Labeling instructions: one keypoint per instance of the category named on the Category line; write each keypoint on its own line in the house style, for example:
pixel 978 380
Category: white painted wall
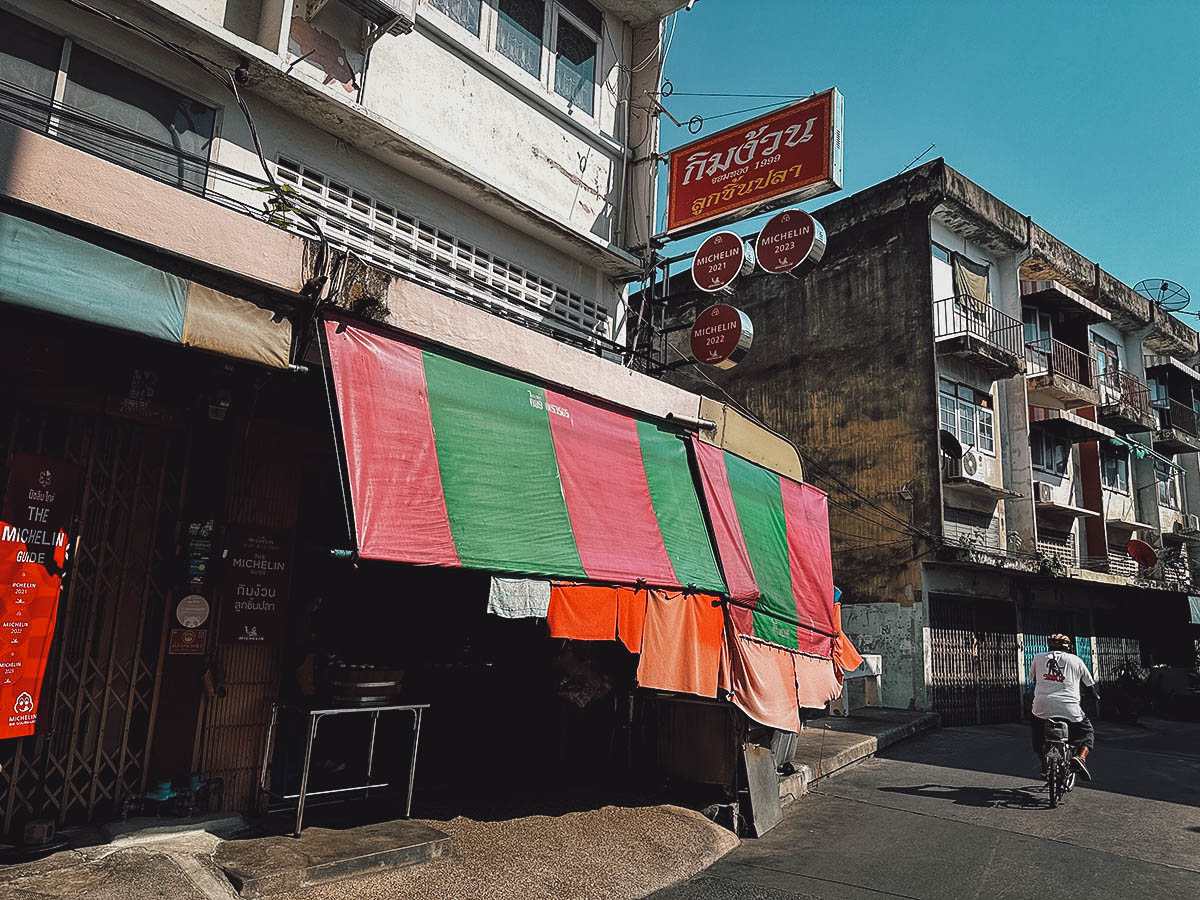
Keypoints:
pixel 468 103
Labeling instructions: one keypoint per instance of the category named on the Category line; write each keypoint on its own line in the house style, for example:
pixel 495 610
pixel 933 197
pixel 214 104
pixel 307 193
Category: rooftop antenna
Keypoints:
pixel 1169 296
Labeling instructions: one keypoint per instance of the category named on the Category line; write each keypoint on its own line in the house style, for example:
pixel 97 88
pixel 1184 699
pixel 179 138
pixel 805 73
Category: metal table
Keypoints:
pixel 314 719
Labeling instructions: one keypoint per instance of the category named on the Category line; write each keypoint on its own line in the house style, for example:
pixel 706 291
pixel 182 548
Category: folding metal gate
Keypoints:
pixel 974 660
pixel 102 676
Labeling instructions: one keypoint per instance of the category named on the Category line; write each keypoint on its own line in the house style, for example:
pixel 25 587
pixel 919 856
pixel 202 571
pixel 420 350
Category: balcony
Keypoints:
pixel 1177 430
pixel 979 333
pixel 1060 371
pixel 1125 403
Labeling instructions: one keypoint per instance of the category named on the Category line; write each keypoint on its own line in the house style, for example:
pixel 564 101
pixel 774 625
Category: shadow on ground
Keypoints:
pixel 984 797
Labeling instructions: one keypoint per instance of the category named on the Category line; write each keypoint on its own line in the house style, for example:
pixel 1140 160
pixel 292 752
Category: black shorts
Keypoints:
pixel 1080 734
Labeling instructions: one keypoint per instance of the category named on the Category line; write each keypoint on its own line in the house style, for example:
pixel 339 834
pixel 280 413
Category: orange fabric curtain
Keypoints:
pixel 589 612
pixel 845 657
pixel 681 643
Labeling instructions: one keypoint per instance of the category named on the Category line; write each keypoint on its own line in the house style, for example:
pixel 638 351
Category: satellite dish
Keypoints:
pixel 970 464
pixel 950 445
pixel 1168 295
pixel 1142 553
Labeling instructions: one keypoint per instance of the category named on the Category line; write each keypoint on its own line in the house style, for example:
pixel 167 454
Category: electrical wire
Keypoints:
pixel 228 78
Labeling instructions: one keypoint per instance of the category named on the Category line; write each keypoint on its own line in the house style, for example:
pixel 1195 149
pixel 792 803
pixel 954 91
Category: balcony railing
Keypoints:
pixel 963 315
pixel 1173 414
pixel 1052 357
pixel 1122 387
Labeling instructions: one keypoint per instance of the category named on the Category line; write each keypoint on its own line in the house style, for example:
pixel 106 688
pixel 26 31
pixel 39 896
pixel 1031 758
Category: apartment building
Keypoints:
pixel 996 418
pixel 196 198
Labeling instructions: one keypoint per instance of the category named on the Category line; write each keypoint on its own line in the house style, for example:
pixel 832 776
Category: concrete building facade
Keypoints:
pixel 996 418
pixel 185 187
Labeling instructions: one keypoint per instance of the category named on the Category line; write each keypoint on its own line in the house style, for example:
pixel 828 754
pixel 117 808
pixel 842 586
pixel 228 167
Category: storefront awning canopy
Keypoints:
pixel 772 535
pixel 44 269
pixel 452 464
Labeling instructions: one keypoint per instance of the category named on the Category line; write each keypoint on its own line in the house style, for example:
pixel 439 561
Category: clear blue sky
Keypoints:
pixel 1085 116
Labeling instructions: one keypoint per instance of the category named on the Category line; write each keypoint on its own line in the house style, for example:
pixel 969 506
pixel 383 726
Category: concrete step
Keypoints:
pixel 830 745
pixel 261 867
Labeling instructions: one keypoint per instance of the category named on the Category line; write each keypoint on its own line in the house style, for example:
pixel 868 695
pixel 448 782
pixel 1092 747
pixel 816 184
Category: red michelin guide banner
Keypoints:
pixel 36 518
pixel 783 157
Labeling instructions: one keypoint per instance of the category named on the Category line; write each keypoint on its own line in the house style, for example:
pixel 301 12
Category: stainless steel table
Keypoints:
pixel 315 716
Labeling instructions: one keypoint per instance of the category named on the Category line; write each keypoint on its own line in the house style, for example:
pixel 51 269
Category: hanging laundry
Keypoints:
pixel 519 598
pixel 681 643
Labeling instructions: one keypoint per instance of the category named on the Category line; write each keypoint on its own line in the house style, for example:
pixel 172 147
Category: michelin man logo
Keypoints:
pixel 24 703
pixel 45 477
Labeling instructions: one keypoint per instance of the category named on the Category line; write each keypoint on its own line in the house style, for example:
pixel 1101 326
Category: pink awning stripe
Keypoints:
pixel 384 402
pixel 731 544
pixel 806 510
pixel 586 435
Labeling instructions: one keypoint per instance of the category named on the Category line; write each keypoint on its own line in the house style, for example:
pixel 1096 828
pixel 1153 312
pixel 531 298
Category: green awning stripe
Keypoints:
pixel 677 508
pixel 487 422
pixel 759 500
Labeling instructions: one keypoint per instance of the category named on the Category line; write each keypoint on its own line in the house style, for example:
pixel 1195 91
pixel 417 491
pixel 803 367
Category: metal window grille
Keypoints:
pixel 967 526
pixel 387 236
pixel 1059 545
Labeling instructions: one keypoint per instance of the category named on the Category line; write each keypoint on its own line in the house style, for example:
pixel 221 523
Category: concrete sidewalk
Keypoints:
pixel 829 745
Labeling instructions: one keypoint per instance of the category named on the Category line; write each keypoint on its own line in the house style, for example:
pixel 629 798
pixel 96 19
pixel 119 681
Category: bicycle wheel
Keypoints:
pixel 1056 780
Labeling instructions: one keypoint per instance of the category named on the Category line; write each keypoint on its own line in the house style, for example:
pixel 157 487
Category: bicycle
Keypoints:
pixel 1058 752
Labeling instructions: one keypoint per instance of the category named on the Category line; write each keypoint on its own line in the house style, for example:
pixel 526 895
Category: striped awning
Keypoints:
pixel 1056 294
pixel 1158 362
pixel 454 464
pixel 46 270
pixel 772 535
pixel 1069 425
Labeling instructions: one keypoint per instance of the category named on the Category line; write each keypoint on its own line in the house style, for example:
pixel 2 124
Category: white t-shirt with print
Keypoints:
pixel 1056 679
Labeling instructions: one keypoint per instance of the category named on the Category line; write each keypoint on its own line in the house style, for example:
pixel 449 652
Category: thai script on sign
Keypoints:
pixel 779 157
pixel 756 147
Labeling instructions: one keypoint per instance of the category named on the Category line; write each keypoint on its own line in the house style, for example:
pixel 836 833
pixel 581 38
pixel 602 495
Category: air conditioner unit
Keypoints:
pixel 1043 492
pixel 399 16
pixel 1189 523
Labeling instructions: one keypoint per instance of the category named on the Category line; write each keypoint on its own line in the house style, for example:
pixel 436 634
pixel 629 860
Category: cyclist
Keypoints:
pixel 1057 676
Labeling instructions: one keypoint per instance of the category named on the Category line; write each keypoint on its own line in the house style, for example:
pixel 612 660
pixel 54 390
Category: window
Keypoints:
pixel 29 60
pixel 1108 358
pixel 967 414
pixel 1168 485
pixel 575 65
pixel 1049 453
pixel 464 12
pixel 1114 470
pixel 519 28
pixel 555 41
pixel 106 109
pixel 178 131
pixel 971 528
pixel 940 252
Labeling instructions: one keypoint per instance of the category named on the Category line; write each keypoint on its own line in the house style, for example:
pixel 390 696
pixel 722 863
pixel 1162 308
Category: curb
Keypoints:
pixel 794 786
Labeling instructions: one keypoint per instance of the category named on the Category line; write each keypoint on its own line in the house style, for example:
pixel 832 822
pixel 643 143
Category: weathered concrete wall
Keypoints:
pixel 897 633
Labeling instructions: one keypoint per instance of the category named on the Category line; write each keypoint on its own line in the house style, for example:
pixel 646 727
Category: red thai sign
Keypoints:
pixel 788 239
pixel 789 155
pixel 721 336
pixel 718 261
pixel 38 505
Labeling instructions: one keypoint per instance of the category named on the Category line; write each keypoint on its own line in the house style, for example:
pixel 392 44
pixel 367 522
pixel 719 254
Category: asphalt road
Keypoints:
pixel 960 813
